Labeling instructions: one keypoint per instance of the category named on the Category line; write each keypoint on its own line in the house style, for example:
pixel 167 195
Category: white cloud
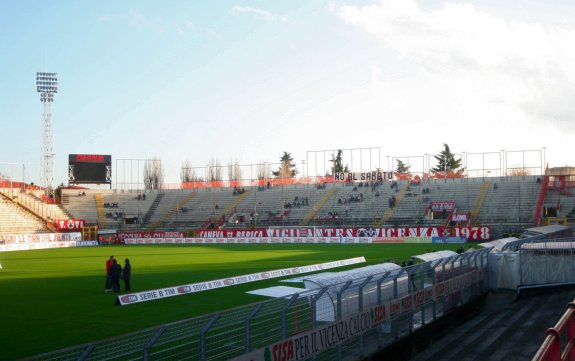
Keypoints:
pixel 501 67
pixel 259 13
pixel 185 27
pixel 136 19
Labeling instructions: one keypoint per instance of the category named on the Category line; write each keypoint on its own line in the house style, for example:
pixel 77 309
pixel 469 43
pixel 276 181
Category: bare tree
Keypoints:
pixel 234 171
pixel 518 171
pixel 153 174
pixel 215 171
pixel 186 172
pixel 263 170
pixel 196 177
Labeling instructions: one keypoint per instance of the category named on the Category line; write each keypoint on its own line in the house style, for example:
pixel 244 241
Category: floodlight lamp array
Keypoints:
pixel 46 97
pixel 46 83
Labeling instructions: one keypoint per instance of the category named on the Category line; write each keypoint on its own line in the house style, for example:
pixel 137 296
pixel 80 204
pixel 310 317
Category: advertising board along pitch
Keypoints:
pixel 157 294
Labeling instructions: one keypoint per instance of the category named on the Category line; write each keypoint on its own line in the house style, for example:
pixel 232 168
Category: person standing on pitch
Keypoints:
pixel 115 273
pixel 127 274
pixel 108 279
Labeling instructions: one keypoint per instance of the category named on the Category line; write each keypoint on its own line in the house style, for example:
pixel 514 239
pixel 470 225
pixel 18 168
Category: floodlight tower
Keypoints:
pixel 47 86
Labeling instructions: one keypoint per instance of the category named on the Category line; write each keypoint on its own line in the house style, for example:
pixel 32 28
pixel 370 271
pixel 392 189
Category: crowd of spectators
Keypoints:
pixel 262 188
pixel 238 191
pixel 114 215
pixel 329 215
pixel 353 198
pixel 297 202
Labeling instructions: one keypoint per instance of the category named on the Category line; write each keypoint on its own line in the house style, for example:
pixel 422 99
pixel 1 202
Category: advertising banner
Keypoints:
pixel 418 239
pixel 449 240
pixel 306 345
pixel 324 235
pixel 37 245
pixel 86 243
pixel 39 238
pixel 226 282
pixel 121 236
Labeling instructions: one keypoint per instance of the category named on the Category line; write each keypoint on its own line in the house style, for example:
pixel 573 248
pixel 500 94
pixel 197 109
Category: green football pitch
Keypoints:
pixel 51 299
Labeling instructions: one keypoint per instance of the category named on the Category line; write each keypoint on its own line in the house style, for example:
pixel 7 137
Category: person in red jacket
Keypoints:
pixel 109 262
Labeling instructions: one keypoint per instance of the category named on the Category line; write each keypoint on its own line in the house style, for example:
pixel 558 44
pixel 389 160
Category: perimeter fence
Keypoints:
pixel 547 262
pixel 346 318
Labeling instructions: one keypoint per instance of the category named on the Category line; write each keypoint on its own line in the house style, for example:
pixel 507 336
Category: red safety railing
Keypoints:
pixel 540 201
pixel 563 332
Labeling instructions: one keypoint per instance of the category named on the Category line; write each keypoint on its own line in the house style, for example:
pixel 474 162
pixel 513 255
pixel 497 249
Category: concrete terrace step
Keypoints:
pixel 503 329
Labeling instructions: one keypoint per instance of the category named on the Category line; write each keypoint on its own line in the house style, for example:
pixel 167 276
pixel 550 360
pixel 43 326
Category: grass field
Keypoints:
pixel 51 299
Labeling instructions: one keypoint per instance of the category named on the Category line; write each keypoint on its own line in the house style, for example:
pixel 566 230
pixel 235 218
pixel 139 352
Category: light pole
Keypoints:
pixel 47 86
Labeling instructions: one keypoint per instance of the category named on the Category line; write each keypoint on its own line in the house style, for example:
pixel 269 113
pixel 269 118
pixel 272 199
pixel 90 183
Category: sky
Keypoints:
pixel 244 81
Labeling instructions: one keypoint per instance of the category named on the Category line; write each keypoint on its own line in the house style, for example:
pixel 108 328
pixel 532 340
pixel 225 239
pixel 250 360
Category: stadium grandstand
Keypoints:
pixel 514 217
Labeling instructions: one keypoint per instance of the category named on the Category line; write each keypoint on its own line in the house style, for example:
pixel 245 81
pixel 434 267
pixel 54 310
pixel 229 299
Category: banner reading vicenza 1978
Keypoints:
pixel 231 281
pixel 474 233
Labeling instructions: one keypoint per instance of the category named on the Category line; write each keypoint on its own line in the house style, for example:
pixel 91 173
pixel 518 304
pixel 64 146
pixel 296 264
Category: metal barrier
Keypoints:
pixel 547 262
pixel 391 305
pixel 562 334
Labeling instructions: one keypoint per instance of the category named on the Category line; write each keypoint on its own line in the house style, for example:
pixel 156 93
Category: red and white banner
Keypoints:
pixel 321 235
pixel 383 234
pixel 225 282
pixel 459 217
pixel 69 224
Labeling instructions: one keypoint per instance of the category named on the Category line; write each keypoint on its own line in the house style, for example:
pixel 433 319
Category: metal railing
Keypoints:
pixel 547 262
pixel 559 343
pixel 404 299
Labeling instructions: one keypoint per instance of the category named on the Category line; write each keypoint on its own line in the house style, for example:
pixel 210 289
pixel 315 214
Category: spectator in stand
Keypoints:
pixel 127 275
pixel 115 274
pixel 109 263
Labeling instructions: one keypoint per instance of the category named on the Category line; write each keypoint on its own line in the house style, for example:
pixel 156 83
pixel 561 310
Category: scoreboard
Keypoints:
pixel 89 168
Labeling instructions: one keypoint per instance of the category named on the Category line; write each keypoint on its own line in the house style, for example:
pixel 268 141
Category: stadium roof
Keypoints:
pixel 498 244
pixel 323 280
pixel 434 256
